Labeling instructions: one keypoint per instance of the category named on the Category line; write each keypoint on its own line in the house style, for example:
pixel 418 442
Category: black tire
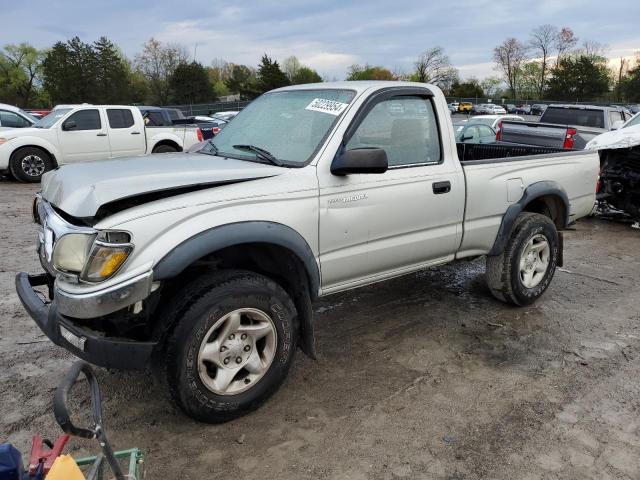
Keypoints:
pixel 503 274
pixel 28 164
pixel 165 149
pixel 210 298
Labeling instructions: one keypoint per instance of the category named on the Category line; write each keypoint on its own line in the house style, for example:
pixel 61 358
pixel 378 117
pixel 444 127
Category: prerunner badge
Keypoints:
pixel 327 106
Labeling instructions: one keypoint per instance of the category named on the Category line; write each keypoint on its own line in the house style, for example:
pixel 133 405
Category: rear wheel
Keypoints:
pixel 232 347
pixel 29 164
pixel 525 268
pixel 165 149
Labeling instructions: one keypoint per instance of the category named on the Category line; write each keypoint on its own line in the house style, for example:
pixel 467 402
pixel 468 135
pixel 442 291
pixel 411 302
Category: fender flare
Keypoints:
pixel 162 137
pixel 217 238
pixel 532 192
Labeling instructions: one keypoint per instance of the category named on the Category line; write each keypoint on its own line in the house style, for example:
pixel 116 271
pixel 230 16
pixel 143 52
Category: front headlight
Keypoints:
pixel 70 254
pixel 109 252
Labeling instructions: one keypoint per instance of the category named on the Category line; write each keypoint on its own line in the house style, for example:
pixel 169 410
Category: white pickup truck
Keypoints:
pixel 83 133
pixel 205 265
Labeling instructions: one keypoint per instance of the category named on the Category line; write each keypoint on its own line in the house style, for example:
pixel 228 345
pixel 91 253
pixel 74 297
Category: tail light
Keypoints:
pixel 215 130
pixel 199 134
pixel 499 132
pixel 569 138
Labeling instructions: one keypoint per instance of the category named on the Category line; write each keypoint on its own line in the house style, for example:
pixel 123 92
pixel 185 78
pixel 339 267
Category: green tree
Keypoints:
pixel 270 76
pixel 69 72
pixel 306 75
pixel 189 84
pixel 630 85
pixel 243 81
pixel 156 63
pixel 20 69
pixel 468 89
pixel 112 73
pixel 368 72
pixel 579 78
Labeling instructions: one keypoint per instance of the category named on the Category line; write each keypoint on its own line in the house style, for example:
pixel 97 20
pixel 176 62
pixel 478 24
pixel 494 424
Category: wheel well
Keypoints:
pixel 51 155
pixel 169 143
pixel 274 261
pixel 551 206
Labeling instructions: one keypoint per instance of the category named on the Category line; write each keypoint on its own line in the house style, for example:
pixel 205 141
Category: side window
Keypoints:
pixel 486 132
pixel 470 134
pixel 86 120
pixel 120 118
pixel 12 120
pixel 405 127
pixel 614 116
pixel 154 119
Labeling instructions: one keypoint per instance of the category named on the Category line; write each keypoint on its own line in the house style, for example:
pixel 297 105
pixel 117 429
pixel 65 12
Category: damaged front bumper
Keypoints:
pixel 56 319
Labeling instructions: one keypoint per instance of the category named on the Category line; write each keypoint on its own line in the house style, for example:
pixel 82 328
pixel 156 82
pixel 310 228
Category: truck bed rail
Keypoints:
pixel 489 151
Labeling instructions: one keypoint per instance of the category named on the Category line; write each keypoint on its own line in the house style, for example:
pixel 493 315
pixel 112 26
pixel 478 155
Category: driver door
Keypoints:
pixel 378 225
pixel 83 136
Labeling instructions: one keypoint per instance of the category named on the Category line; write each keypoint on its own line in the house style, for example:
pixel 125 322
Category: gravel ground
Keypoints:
pixel 422 377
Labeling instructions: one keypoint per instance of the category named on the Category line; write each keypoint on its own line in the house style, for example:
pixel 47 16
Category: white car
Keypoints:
pixel 87 132
pixel 494 120
pixel 205 265
pixel 14 117
pixel 492 109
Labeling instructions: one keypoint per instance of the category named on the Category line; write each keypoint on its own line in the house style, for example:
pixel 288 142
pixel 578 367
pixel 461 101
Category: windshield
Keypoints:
pixel 288 125
pixel 634 121
pixel 53 117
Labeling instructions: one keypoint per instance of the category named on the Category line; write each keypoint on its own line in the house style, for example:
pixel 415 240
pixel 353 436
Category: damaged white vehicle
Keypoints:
pixel 205 265
pixel 619 184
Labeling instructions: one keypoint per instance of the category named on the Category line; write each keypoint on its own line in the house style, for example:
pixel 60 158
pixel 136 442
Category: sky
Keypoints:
pixel 328 35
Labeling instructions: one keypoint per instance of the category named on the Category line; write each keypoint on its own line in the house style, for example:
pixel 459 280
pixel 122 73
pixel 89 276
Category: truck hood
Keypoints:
pixel 623 138
pixel 81 189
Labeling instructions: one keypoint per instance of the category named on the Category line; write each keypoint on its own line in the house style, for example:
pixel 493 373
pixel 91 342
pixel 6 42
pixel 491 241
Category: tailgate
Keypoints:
pixel 532 133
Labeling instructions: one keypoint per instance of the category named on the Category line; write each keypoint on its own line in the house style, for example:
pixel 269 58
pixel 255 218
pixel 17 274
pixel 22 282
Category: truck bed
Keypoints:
pixel 497 175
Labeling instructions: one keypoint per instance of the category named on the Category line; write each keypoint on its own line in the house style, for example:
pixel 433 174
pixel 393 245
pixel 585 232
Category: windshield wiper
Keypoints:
pixel 261 153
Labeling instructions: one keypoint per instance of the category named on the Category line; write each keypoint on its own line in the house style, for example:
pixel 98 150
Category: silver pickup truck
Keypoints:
pixel 569 127
pixel 205 265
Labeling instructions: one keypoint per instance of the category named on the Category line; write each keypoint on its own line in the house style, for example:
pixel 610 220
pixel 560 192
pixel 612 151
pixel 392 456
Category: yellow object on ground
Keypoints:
pixel 65 468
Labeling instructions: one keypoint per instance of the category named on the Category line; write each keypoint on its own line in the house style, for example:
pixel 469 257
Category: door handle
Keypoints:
pixel 441 187
pixel 135 133
pixel 101 135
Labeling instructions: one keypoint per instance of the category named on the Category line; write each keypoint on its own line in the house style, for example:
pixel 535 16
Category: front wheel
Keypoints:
pixel 28 164
pixel 523 271
pixel 232 347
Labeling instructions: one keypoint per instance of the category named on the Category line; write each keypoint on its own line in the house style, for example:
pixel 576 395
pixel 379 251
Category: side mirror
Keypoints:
pixel 360 160
pixel 69 125
pixel 617 124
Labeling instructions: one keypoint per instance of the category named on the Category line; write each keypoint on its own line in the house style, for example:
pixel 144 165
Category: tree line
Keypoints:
pixel 552 64
pixel 549 64
pixel 75 71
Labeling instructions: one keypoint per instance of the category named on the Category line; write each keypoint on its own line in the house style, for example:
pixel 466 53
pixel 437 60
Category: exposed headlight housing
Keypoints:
pixel 109 252
pixel 71 252
pixel 93 258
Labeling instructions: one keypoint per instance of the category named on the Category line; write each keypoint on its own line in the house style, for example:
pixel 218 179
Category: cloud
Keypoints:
pixel 328 35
